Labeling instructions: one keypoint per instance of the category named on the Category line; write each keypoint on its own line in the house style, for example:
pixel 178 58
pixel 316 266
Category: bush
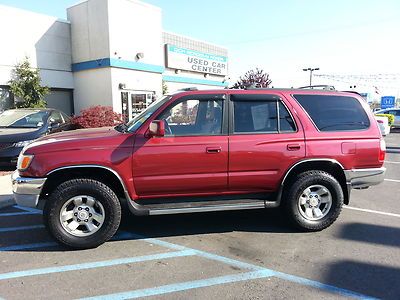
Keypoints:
pixel 389 116
pixel 97 116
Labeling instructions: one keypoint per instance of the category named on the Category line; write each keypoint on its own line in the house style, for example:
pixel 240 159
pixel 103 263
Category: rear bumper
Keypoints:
pixel 27 190
pixel 363 178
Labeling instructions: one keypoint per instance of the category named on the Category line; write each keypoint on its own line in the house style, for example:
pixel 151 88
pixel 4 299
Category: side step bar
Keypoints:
pixel 207 208
pixel 193 207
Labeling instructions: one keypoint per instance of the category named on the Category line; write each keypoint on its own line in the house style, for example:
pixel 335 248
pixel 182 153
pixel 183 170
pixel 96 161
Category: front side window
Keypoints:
pixel 334 113
pixel 193 117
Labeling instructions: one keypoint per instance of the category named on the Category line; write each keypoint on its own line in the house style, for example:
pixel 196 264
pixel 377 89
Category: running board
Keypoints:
pixel 208 208
pixel 193 207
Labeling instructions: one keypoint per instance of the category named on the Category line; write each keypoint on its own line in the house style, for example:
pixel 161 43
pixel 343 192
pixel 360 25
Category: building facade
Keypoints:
pixel 108 52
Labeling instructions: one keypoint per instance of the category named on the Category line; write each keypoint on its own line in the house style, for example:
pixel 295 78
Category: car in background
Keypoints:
pixel 19 127
pixel 392 111
pixel 383 123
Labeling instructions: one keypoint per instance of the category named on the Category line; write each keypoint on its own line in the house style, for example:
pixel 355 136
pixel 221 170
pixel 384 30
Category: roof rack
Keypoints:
pixel 320 86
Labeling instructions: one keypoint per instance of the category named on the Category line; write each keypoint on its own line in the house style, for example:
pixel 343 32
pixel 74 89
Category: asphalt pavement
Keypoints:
pixel 221 255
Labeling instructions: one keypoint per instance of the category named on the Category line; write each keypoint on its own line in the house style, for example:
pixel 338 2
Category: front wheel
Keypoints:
pixel 314 200
pixel 82 213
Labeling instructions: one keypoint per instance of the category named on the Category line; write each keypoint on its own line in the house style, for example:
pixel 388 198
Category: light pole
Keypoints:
pixel 311 70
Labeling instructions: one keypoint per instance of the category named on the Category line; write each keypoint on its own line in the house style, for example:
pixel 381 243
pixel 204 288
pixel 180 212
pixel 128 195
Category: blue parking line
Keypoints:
pixel 321 286
pixel 30 209
pixel 28 246
pixel 183 286
pixel 119 236
pixel 96 264
pixel 233 262
pixel 8 229
pixel 19 213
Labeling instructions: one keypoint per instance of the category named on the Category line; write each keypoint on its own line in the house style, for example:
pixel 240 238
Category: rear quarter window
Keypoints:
pixel 334 113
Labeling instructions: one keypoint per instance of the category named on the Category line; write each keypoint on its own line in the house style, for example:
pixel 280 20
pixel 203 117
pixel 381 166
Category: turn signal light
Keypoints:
pixel 24 161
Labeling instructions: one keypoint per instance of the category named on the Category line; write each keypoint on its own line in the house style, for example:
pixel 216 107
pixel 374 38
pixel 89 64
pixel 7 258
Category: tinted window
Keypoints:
pixel 55 117
pixel 255 116
pixel 193 117
pixel 334 113
pixel 286 123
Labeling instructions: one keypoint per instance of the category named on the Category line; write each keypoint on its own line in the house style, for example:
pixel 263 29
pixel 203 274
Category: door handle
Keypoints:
pixel 293 147
pixel 213 150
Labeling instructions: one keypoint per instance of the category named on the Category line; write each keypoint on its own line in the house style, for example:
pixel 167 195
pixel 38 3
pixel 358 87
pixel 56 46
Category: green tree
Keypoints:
pixel 253 78
pixel 25 84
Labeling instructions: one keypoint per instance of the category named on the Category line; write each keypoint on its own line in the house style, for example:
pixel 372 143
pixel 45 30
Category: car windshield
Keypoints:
pixel 137 121
pixel 22 119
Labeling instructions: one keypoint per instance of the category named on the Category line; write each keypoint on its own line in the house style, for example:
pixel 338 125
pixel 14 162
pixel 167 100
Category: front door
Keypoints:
pixel 192 157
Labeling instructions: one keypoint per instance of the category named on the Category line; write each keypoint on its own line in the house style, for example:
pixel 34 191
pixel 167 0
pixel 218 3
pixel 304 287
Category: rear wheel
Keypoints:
pixel 314 200
pixel 82 213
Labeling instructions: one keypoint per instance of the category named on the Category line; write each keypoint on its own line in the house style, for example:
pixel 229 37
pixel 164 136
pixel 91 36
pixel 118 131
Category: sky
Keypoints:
pixel 340 37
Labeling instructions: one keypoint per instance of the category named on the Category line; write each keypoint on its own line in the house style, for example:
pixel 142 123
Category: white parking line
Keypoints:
pixel 392 180
pixel 392 162
pixel 373 211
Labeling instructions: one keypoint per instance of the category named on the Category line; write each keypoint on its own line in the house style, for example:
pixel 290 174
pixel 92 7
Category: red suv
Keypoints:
pixel 198 151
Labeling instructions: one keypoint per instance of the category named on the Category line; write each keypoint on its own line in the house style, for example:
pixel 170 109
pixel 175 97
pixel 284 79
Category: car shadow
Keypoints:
pixel 269 221
pixel 264 220
pixel 376 280
pixel 370 233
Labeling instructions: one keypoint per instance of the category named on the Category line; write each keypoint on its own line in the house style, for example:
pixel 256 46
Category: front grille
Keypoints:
pixel 5 145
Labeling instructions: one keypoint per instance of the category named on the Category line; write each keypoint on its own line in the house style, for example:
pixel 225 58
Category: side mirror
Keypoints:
pixel 157 128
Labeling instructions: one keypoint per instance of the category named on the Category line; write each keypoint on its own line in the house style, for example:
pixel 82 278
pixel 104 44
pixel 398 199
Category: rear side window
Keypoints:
pixel 334 113
pixel 255 116
pixel 260 114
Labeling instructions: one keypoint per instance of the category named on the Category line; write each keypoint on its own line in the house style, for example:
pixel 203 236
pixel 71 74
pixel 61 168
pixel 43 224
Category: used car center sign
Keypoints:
pixel 190 60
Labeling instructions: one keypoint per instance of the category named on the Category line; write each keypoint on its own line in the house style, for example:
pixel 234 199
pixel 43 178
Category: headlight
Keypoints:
pixel 24 160
pixel 22 143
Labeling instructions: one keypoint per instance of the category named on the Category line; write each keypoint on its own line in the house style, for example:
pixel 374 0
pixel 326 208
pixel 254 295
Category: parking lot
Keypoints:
pixel 234 255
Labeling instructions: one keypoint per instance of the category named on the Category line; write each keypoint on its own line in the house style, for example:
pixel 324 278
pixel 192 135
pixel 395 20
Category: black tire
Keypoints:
pixel 295 189
pixel 73 188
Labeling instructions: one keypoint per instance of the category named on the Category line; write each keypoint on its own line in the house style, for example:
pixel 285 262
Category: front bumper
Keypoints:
pixel 27 190
pixel 363 178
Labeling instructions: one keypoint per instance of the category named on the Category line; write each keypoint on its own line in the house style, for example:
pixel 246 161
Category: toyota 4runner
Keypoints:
pixel 199 151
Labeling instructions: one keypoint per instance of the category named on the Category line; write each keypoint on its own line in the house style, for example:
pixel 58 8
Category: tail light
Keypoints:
pixel 382 150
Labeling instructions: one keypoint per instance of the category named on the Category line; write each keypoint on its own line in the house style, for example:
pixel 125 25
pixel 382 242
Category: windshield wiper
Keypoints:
pixel 121 127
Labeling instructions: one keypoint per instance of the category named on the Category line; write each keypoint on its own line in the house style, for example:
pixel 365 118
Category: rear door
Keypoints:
pixel 265 140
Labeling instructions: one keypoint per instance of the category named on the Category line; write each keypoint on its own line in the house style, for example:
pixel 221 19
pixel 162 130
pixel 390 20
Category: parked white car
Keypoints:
pixel 383 123
pixel 393 111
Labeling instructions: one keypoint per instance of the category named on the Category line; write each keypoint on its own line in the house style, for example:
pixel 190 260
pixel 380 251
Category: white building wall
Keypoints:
pixel 44 39
pixel 92 87
pixel 89 30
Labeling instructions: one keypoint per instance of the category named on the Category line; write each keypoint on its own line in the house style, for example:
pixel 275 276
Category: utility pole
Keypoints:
pixel 311 70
